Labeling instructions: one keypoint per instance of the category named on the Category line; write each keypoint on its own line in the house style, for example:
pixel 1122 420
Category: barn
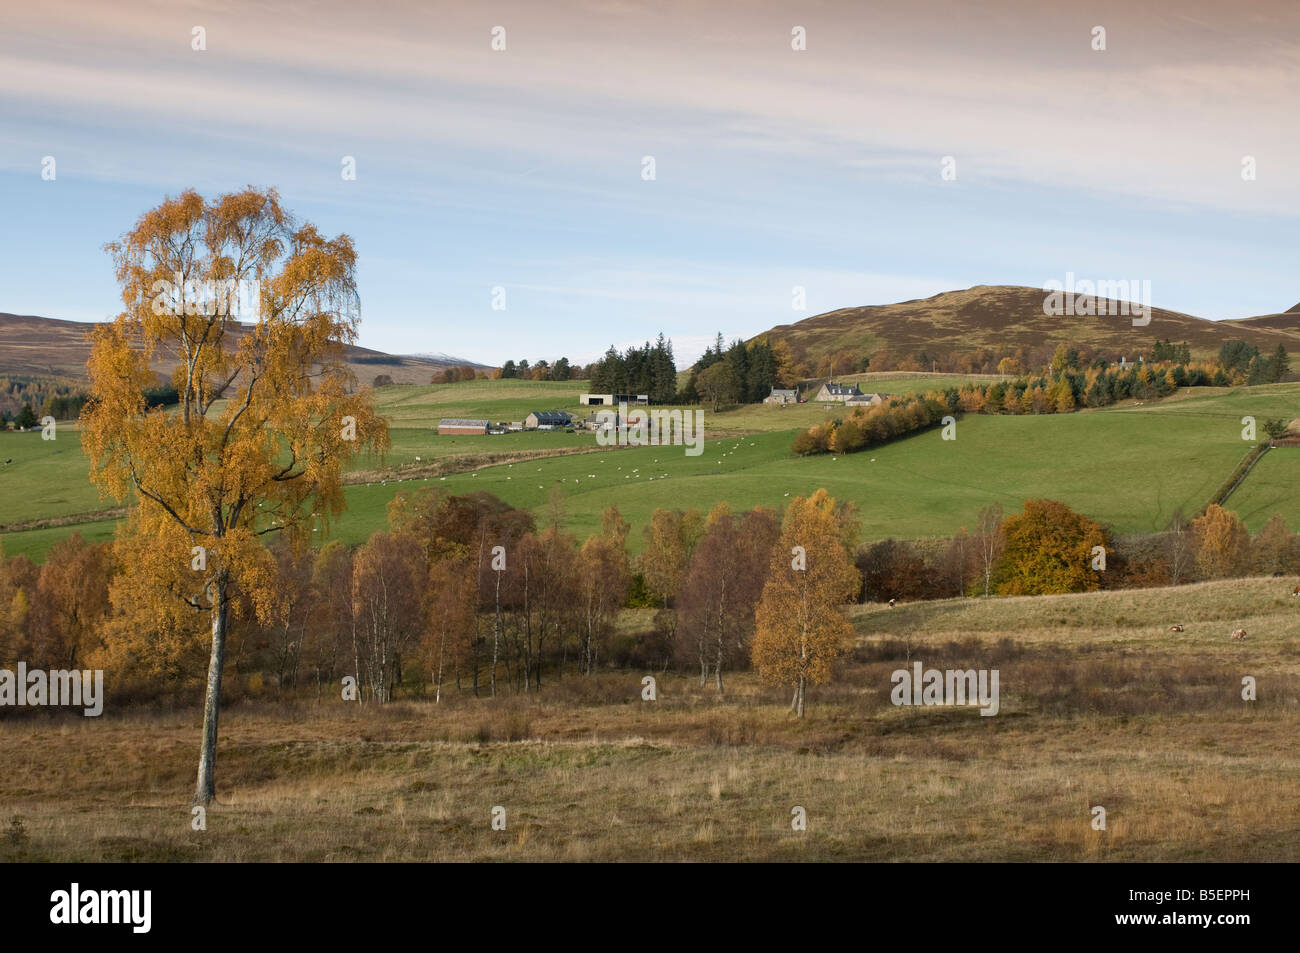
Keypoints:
pixel 611 400
pixel 455 425
pixel 546 420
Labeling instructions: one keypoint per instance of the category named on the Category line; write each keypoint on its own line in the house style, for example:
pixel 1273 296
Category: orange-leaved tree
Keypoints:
pixel 1222 543
pixel 1049 548
pixel 801 629
pixel 267 415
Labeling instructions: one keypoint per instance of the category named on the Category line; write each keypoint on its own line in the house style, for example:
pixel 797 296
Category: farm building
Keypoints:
pixel 867 400
pixel 610 400
pixel 546 420
pixel 454 425
pixel 832 392
pixel 780 396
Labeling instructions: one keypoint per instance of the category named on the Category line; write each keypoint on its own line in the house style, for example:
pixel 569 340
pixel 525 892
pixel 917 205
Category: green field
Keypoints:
pixel 490 400
pixel 913 382
pixel 1128 466
pixel 46 478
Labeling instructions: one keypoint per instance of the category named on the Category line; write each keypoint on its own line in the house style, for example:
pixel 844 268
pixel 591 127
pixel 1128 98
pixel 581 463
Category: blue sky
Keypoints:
pixel 773 167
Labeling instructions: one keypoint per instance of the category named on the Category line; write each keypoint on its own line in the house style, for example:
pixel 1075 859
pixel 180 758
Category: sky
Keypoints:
pixel 774 168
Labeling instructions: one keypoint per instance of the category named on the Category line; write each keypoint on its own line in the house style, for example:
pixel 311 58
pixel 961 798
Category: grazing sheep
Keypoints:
pixel 1239 635
pixel 1175 628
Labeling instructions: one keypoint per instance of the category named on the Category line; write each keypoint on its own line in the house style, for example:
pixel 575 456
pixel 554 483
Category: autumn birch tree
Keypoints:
pixel 670 537
pixel 801 628
pixel 266 417
pixel 722 587
pixel 451 600
pixel 1222 543
pixel 387 585
pixel 989 542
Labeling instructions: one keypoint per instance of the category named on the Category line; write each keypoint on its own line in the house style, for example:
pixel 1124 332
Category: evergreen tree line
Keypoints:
pixel 543 370
pixel 649 369
pixel 739 373
pixel 1245 362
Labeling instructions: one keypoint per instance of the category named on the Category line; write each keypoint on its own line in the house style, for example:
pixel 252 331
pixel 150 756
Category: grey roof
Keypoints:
pixel 779 392
pixel 458 422
pixel 842 389
pixel 550 416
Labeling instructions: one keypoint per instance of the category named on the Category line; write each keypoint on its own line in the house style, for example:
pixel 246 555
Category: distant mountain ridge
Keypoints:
pixel 51 347
pixel 441 358
pixel 1003 318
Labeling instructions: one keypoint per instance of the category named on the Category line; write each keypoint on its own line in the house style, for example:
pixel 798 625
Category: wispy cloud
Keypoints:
pixel 775 168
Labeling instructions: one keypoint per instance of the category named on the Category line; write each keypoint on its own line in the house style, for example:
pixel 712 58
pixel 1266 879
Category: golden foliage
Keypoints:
pixel 800 628
pixel 1222 543
pixel 267 417
pixel 258 442
pixel 1049 549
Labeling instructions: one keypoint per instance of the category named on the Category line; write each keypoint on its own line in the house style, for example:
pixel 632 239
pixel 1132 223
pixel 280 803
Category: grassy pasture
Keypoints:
pixel 47 478
pixel 1129 466
pixel 484 400
pixel 1100 705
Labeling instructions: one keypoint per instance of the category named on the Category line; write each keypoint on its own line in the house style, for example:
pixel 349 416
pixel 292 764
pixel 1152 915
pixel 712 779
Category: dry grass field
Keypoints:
pixel 1100 705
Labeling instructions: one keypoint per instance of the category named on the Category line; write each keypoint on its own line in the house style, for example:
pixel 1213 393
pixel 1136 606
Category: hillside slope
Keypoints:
pixel 36 346
pixel 1003 318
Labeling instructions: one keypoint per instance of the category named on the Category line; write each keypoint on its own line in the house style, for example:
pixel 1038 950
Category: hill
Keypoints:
pixel 1003 318
pixel 49 347
pixel 1286 321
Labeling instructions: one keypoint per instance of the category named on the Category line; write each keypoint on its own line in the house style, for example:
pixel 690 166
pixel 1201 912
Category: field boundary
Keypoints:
pixel 1238 475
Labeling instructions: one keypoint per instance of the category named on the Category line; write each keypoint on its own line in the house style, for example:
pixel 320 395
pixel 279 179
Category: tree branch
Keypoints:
pixel 164 504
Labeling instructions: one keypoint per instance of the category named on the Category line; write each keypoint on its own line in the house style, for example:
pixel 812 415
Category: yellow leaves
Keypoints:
pixel 1049 549
pixel 800 629
pixel 668 541
pixel 1222 543
pixel 721 511
pixel 267 419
